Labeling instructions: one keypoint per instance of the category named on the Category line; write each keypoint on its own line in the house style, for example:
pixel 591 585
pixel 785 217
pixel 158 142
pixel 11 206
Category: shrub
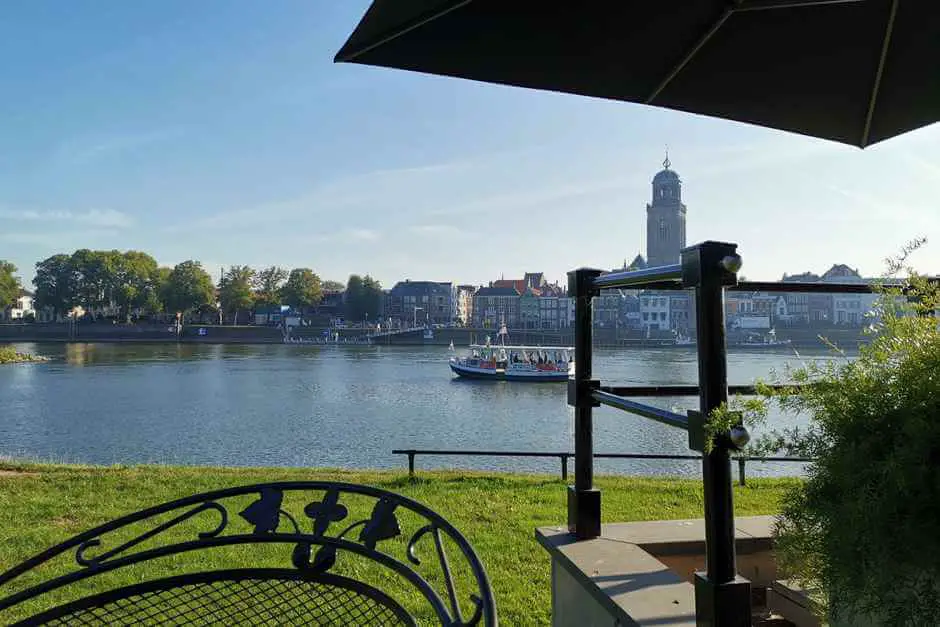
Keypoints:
pixel 864 528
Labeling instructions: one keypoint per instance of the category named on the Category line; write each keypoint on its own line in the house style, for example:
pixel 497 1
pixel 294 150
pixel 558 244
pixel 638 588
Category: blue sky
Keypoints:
pixel 222 131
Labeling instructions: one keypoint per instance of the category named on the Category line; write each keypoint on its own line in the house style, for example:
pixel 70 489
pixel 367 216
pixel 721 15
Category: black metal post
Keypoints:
pixel 584 501
pixel 741 463
pixel 411 464
pixel 722 599
pixel 564 467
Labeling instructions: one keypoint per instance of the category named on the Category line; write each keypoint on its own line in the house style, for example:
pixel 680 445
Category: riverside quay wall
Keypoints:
pixel 213 334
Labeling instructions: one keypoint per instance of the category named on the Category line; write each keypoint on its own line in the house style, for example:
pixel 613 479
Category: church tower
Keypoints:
pixel 665 219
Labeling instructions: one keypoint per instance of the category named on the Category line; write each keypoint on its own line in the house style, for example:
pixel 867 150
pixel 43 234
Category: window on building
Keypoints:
pixel 662 315
pixel 646 315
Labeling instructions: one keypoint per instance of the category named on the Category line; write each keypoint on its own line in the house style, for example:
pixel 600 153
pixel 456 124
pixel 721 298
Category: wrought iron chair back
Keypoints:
pixel 340 572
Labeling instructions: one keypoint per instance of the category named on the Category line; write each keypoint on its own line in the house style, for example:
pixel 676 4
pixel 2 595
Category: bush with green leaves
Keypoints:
pixel 864 528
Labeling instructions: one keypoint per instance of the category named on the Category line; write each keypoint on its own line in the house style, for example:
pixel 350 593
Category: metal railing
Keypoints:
pixel 709 268
pixel 412 453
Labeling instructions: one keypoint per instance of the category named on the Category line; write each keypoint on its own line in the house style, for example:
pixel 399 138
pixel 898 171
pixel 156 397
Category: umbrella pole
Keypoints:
pixel 722 599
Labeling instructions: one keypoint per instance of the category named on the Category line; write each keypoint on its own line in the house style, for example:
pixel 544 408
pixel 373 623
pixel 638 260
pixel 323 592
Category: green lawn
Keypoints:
pixel 45 504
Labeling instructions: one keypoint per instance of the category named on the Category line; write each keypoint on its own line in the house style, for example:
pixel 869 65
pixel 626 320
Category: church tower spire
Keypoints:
pixel 665 218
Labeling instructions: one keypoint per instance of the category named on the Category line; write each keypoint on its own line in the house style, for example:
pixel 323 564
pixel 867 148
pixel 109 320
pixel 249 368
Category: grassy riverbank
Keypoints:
pixel 10 356
pixel 44 504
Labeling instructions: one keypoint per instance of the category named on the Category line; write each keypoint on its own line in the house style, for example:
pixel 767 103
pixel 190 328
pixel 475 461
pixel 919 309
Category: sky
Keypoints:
pixel 222 131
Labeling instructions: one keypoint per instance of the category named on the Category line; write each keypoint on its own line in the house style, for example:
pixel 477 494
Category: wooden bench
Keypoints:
pixel 305 553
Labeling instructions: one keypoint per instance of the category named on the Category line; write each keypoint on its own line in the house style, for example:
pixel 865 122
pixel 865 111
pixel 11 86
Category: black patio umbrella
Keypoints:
pixel 853 71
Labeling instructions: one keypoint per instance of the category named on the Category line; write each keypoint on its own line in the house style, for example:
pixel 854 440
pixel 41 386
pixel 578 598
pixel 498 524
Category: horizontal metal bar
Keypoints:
pixel 645 276
pixel 682 390
pixel 760 286
pixel 640 409
pixel 481 453
pixel 797 287
pixel 664 456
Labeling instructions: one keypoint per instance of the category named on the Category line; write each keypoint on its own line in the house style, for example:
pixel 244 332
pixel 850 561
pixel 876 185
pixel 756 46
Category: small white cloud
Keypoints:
pixel 434 230
pixel 362 235
pixel 104 218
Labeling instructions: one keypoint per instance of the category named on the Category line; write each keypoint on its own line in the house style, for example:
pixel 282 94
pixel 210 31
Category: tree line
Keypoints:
pixel 133 282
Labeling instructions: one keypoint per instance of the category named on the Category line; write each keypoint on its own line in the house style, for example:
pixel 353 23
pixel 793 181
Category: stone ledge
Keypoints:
pixel 620 571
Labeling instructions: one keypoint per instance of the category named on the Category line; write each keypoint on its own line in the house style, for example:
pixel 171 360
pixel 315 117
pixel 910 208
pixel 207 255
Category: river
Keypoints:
pixel 281 405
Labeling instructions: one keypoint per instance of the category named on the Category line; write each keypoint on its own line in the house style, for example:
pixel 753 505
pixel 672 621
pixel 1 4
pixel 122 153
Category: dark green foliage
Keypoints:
pixel 363 298
pixel 865 528
pixel 302 289
pixel 55 284
pixel 235 291
pixel 97 279
pixel 267 285
pixel 9 284
pixel 187 288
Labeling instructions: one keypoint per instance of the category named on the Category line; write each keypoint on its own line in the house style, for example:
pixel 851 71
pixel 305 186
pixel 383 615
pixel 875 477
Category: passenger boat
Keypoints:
pixel 768 340
pixel 506 362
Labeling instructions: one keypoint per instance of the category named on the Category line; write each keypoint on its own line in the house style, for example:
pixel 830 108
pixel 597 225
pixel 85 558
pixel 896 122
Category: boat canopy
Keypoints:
pixel 525 348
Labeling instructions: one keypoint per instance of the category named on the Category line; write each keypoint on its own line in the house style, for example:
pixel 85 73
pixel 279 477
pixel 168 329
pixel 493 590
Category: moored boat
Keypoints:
pixel 767 340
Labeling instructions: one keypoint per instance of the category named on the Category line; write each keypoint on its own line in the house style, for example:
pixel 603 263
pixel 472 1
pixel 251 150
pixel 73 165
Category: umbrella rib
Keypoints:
pixel 889 29
pixel 418 23
pixel 765 5
pixel 688 57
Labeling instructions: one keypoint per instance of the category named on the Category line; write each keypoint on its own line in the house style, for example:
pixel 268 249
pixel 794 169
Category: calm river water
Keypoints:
pixel 276 405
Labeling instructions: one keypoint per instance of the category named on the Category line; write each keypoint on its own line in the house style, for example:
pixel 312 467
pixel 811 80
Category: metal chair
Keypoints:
pixel 353 560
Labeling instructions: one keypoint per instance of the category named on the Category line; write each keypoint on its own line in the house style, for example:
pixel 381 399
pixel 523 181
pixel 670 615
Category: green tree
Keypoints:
pixel 235 290
pixel 333 286
pixel 55 284
pixel 363 298
pixel 372 297
pixel 267 285
pixel 355 298
pixel 188 288
pixel 161 278
pixel 93 277
pixel 302 289
pixel 132 280
pixel 9 284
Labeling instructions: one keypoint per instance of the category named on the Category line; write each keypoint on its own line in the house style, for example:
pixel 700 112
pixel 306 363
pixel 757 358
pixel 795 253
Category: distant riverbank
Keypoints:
pixel 214 334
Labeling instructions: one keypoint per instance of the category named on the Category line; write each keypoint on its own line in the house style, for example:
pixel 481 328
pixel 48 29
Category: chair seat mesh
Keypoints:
pixel 241 602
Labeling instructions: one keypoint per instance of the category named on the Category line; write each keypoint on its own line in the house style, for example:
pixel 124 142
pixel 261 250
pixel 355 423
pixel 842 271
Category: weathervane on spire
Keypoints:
pixel 666 162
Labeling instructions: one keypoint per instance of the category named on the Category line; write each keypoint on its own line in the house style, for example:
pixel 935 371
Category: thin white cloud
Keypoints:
pixel 345 236
pixel 361 235
pixel 105 218
pixel 60 240
pixel 872 208
pixel 537 196
pixel 435 230
pixel 328 200
pixel 81 150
